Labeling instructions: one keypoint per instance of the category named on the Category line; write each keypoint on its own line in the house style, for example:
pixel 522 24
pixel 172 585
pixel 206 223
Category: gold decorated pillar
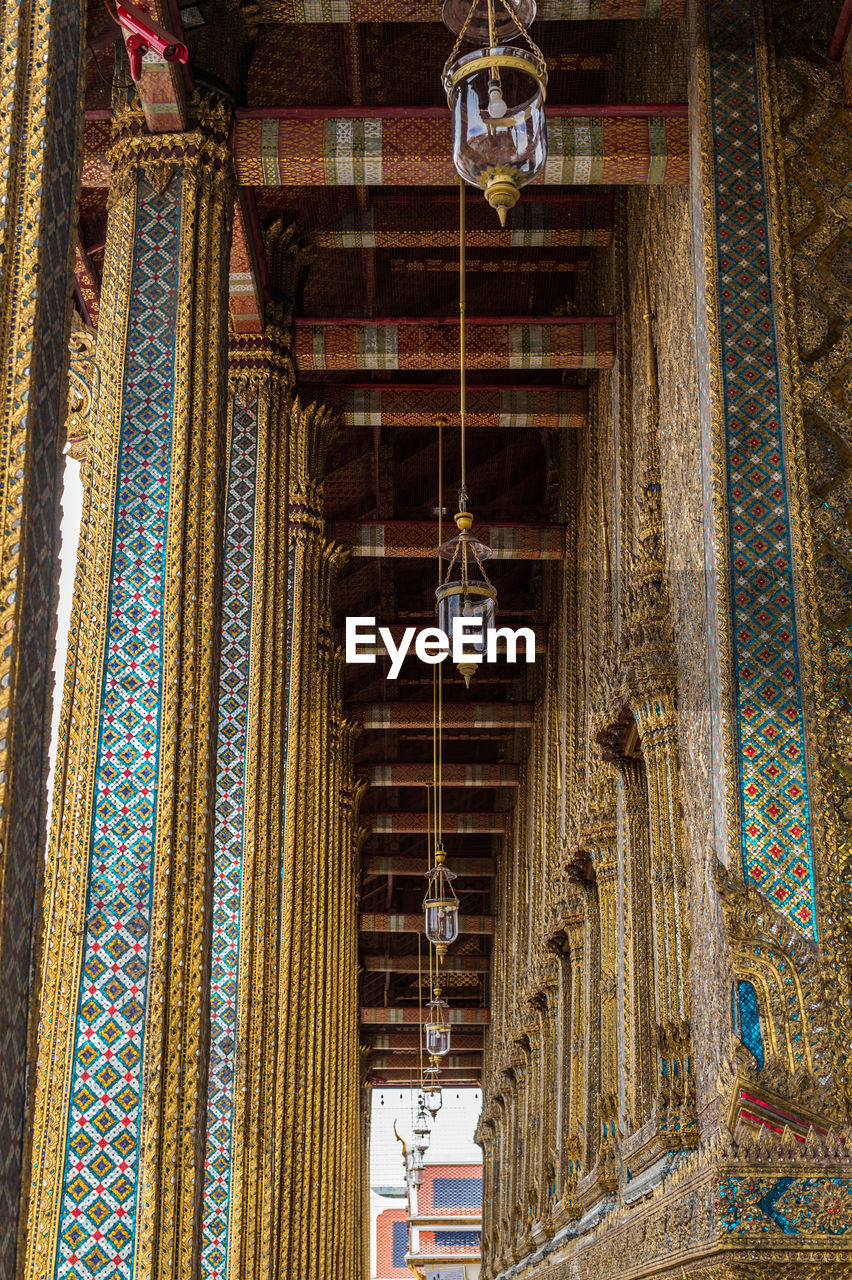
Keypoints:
pixel 319 1167
pixel 241 1150
pixel 656 717
pixel 42 136
pixel 636 989
pixel 600 844
pixel 578 1036
pixel 119 1123
pixel 651 686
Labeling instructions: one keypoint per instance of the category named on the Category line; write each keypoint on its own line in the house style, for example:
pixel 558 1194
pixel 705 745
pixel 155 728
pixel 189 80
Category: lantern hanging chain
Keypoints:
pixel 460 40
pixel 533 47
pixel 420 1008
pixel 492 38
pixel 463 342
pixel 430 827
pixel 437 686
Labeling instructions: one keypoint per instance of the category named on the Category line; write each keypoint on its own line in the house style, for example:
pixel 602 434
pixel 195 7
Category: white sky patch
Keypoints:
pixel 452 1131
pixel 72 516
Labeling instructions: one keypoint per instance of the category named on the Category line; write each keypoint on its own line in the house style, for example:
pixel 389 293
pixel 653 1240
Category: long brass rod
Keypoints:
pixel 462 334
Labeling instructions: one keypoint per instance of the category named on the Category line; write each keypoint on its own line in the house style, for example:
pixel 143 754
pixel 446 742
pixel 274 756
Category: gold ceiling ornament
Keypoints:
pixel 496 96
pixel 469 595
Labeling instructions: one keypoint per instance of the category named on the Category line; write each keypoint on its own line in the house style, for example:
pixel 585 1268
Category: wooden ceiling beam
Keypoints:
pixel 404 922
pixel 436 404
pixel 393 1062
pixel 418 540
pixel 376 865
pixel 246 273
pixel 454 824
pixel 458 1016
pixel 419 774
pixel 471 1040
pixel 356 11
pixel 410 146
pixel 409 964
pixel 456 715
pixel 496 344
pixel 555 219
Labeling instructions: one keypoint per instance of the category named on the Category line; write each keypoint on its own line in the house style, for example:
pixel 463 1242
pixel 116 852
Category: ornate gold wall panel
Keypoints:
pixel 40 63
pixel 704 1010
pixel 816 136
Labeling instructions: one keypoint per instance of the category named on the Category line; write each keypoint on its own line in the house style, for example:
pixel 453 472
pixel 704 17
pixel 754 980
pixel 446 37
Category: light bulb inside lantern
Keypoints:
pixel 496 106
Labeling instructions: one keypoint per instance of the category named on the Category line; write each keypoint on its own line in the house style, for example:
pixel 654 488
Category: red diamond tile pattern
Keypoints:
pixel 776 842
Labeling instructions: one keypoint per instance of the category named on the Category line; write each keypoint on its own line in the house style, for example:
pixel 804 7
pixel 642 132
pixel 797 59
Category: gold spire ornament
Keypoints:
pixel 496 97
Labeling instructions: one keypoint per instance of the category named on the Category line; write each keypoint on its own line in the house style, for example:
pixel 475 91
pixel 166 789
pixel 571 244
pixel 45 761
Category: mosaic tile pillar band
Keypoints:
pixel 757 618
pixel 317 1014
pixel 42 133
pixel 119 1122
pixel 239 1164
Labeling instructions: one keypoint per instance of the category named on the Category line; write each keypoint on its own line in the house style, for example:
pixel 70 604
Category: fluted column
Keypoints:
pixel 578 1042
pixel 600 846
pixel 42 128
pixel 636 992
pixel 314 1191
pixel 345 1139
pixel 240 1156
pixel 656 718
pixel 651 681
pixel 122 1075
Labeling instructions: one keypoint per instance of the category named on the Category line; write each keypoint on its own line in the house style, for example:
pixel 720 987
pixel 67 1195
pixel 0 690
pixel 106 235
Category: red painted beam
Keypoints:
pixel 454 824
pixel 459 1016
pixel 495 343
pixel 436 404
pixel 413 923
pixel 452 775
pixel 341 11
pixel 87 284
pixel 456 715
pixel 386 1062
pixel 411 1040
pixel 400 539
pixel 409 964
pixel 406 146
pixel 245 289
pixel 841 32
pixel 377 865
pixel 555 218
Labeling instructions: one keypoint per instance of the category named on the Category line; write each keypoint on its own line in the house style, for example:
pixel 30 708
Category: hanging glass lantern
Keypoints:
pixel 471 594
pixel 415 1168
pixel 496 96
pixel 432 1094
pixel 438 1026
pixel 441 905
pixel 422 1131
